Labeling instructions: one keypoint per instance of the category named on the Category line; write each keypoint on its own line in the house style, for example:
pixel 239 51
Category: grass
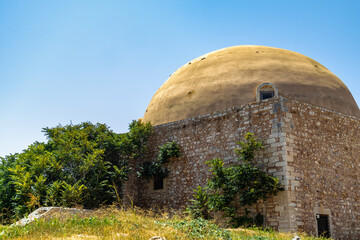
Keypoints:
pixel 117 223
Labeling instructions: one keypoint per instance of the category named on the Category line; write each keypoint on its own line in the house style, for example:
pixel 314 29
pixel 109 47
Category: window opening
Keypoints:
pixel 266 94
pixel 265 91
pixel 158 183
pixel 323 225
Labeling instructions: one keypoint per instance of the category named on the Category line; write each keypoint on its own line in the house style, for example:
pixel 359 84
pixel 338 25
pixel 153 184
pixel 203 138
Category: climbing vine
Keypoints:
pixel 149 170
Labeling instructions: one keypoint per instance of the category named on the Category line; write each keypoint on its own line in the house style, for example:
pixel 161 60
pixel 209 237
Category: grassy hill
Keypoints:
pixel 114 223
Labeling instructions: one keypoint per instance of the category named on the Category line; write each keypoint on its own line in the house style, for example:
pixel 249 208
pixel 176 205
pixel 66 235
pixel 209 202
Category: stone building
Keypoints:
pixel 305 116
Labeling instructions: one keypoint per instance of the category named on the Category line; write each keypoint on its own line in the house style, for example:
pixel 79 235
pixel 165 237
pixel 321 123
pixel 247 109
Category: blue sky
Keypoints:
pixel 102 61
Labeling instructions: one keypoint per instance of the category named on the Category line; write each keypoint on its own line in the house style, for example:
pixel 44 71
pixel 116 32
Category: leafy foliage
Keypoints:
pixel 234 187
pixel 150 170
pixel 200 204
pixel 82 164
pixel 248 148
pixel 167 151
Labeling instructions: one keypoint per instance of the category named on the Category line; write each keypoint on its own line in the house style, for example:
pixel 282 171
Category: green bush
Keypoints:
pixel 200 204
pixel 234 187
pixel 82 164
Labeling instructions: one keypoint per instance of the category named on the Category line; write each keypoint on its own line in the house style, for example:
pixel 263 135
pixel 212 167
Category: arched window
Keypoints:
pixel 265 91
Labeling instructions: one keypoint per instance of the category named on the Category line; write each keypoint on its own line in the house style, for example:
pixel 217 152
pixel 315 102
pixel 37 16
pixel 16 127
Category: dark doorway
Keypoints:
pixel 323 225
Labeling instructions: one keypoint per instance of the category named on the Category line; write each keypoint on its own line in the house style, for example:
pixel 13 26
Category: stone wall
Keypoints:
pixel 315 152
pixel 215 136
pixel 325 151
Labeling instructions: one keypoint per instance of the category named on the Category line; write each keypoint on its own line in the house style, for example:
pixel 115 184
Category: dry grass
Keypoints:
pixel 116 223
pixel 247 233
pixel 109 223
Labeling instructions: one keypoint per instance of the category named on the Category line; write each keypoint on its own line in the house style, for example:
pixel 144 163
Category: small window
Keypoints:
pixel 265 91
pixel 158 183
pixel 266 94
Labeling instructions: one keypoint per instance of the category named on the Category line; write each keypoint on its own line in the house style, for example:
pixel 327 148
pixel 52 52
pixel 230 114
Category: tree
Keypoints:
pixel 235 187
pixel 82 164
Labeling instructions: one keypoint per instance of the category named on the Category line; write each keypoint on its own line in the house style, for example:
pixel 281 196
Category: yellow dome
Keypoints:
pixel 230 77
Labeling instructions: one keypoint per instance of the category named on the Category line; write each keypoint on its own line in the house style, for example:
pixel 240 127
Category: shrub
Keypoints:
pixel 235 187
pixel 82 164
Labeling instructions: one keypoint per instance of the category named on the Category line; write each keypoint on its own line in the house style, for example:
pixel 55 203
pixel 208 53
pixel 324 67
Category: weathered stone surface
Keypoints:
pixel 315 152
pixel 48 212
pixel 327 162
pixel 157 238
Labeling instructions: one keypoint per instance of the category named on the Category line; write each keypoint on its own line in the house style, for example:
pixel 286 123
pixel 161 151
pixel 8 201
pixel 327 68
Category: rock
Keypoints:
pixel 47 212
pixel 157 238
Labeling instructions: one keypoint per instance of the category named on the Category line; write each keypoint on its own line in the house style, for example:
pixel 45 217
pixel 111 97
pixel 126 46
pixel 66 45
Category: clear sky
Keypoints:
pixel 102 61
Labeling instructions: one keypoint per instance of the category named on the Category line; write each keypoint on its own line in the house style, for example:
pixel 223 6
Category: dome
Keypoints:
pixel 230 77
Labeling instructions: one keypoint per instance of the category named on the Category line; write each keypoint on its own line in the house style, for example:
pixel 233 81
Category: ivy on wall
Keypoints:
pixel 149 170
